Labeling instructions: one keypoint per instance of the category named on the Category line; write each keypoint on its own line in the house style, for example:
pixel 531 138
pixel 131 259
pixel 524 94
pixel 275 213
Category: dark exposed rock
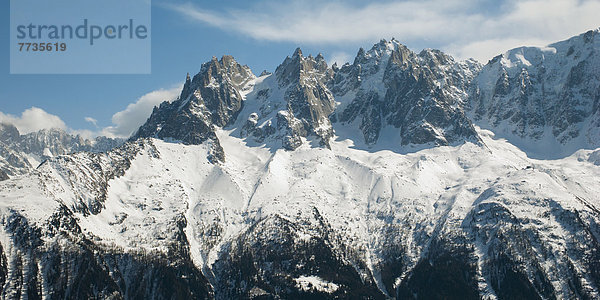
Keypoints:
pixel 420 95
pixel 8 133
pixel 212 98
pixel 3 176
pixel 292 104
pixel 271 257
pixel 309 101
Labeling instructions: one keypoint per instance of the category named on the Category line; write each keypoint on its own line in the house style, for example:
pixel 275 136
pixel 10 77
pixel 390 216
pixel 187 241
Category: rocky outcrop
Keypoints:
pixel 211 99
pixel 309 101
pixel 421 95
pixel 12 161
pixel 294 103
pixel 9 133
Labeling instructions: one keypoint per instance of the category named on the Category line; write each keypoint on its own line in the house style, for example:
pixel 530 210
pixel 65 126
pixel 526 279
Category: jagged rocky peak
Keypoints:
pixel 298 68
pixel 217 71
pixel 211 98
pixel 54 141
pixel 218 85
pixel 435 57
pixel 547 94
pixel 420 95
pixel 57 142
pixel 8 133
pixel 297 104
pixel 380 54
pixel 367 63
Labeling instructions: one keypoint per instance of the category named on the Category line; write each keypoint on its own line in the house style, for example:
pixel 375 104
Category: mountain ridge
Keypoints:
pixel 546 94
pixel 275 187
pixel 22 153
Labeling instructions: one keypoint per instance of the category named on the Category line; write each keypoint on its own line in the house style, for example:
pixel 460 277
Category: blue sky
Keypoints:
pixel 260 34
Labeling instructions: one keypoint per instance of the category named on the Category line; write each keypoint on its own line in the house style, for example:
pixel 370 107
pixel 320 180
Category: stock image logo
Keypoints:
pixel 111 37
pixel 83 31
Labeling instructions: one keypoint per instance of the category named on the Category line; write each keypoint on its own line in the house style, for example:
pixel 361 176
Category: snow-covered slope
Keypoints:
pixel 302 202
pixel 489 210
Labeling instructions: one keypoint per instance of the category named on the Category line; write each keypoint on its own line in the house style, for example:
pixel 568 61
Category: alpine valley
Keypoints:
pixel 402 175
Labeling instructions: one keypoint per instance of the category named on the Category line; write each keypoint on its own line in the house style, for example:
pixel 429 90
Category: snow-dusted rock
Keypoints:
pixel 546 100
pixel 420 96
pixel 19 154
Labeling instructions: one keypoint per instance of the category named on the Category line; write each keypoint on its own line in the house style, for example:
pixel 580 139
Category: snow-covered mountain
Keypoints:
pixel 549 95
pixel 392 177
pixel 19 154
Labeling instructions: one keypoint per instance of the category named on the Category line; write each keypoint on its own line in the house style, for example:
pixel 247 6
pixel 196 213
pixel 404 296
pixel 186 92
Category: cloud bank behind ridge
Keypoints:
pixel 477 29
pixel 124 122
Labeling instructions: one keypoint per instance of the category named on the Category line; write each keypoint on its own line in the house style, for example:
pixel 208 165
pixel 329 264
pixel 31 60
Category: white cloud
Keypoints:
pixel 340 58
pixel 485 49
pixel 33 119
pixel 450 25
pixel 84 133
pixel 92 120
pixel 127 121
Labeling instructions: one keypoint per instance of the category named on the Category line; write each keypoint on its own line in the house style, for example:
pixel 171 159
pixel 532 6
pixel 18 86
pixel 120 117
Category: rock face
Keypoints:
pixel 212 98
pixel 72 267
pixel 549 95
pixel 309 102
pixel 19 154
pixel 9 133
pixel 420 98
pixel 292 104
pixel 595 157
pixel 420 95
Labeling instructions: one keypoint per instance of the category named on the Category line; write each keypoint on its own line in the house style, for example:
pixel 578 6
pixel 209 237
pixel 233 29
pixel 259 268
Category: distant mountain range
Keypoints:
pixel 20 154
pixel 402 175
